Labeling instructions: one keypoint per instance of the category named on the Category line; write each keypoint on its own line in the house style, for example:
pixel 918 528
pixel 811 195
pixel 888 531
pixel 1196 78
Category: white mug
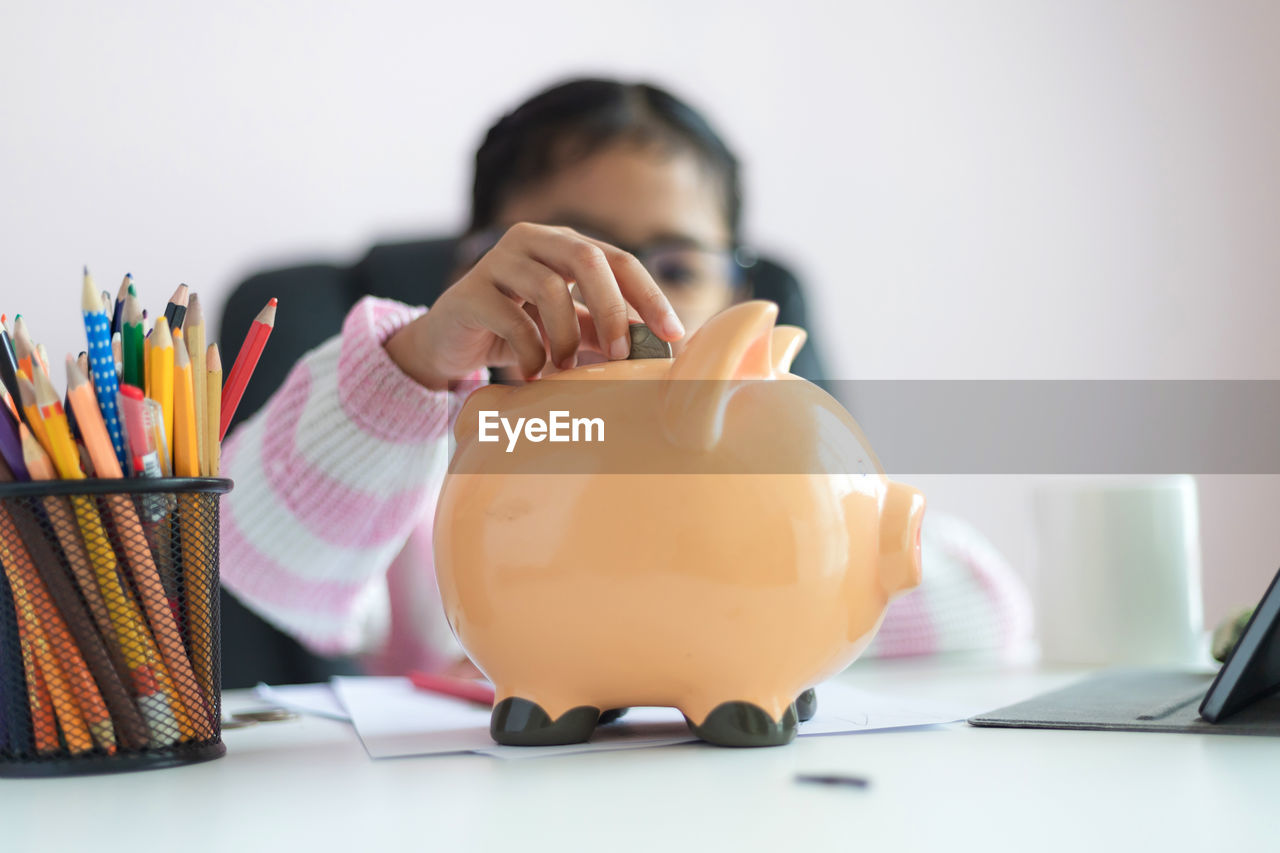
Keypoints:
pixel 1119 571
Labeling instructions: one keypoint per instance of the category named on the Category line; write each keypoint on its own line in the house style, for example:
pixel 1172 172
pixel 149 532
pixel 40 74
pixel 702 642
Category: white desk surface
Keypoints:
pixel 307 785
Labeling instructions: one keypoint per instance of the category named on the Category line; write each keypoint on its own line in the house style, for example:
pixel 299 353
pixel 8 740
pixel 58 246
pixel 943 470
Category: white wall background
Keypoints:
pixel 973 190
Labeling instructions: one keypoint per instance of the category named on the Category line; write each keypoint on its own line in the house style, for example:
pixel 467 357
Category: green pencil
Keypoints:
pixel 133 341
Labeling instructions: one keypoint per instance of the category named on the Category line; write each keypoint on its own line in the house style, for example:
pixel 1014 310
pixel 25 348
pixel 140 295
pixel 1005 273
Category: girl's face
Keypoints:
pixel 663 206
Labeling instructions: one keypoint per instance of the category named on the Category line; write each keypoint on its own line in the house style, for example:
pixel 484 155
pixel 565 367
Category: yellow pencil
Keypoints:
pixel 27 392
pixel 62 446
pixel 160 377
pixel 123 721
pixel 186 455
pixel 195 539
pixel 40 467
pixel 214 412
pixel 189 706
pixel 165 715
pixel 194 331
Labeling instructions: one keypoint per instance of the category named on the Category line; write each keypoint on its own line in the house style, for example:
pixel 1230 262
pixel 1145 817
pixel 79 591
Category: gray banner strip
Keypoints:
pixel 1070 426
pixel 970 427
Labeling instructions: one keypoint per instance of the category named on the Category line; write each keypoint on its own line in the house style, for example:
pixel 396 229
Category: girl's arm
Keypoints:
pixel 331 477
pixel 345 461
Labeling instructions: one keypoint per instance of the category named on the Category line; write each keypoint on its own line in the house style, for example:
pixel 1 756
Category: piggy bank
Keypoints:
pixel 709 533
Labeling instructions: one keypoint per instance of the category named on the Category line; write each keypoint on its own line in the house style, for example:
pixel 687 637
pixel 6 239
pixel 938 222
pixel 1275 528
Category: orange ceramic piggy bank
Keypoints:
pixel 707 532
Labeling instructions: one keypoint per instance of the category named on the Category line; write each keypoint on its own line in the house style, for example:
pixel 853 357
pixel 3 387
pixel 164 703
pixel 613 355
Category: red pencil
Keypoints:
pixel 246 360
pixel 460 688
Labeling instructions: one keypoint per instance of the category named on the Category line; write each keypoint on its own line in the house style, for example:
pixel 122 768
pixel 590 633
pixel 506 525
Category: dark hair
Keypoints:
pixel 573 120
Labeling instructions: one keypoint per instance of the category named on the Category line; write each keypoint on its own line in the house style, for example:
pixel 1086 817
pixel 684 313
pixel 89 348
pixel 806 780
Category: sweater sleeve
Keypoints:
pixel 331 478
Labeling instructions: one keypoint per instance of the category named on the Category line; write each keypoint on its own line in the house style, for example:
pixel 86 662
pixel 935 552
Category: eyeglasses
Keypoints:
pixel 675 266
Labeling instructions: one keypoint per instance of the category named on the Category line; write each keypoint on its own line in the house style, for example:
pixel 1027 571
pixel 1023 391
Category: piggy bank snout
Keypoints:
pixel 900 519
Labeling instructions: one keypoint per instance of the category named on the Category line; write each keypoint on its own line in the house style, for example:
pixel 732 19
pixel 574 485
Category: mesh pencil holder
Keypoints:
pixel 109 646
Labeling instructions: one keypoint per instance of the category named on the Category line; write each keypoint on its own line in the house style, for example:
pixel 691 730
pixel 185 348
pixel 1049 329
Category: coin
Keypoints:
pixel 228 723
pixel 645 344
pixel 268 715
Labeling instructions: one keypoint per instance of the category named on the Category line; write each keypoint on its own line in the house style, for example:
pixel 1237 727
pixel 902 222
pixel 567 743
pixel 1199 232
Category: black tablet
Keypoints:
pixel 1253 669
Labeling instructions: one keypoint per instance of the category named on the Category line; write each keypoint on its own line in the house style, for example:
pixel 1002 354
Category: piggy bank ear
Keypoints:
pixel 734 345
pixel 786 342
pixel 901 515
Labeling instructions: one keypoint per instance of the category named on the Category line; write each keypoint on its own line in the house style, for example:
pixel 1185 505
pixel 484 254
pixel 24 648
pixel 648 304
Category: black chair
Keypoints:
pixel 314 299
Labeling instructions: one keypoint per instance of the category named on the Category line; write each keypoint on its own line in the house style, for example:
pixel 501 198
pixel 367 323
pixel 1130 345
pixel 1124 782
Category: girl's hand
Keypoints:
pixel 514 307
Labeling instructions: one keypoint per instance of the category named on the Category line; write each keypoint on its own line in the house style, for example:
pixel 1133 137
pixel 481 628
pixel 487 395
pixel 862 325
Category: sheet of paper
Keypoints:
pixel 395 720
pixel 317 700
pixel 846 710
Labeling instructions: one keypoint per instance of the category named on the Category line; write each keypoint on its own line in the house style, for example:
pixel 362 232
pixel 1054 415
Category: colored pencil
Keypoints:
pixel 102 364
pixel 105 661
pixel 43 721
pixel 213 365
pixel 186 457
pixel 28 400
pixel 15 707
pixel 20 570
pixel 11 443
pixel 459 688
pixel 61 447
pixel 9 404
pixel 165 716
pixel 42 358
pixel 193 331
pixel 246 361
pixel 195 541
pixel 117 315
pixel 138 555
pixel 175 311
pixel 64 523
pixel 9 371
pixel 160 377
pixel 24 349
pixel 131 334
pixel 66 626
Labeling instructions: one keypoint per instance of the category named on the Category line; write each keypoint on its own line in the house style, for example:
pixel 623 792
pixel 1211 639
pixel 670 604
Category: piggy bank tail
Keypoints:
pixel 900 519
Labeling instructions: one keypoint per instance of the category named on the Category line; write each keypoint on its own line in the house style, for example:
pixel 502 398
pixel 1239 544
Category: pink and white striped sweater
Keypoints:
pixel 327 534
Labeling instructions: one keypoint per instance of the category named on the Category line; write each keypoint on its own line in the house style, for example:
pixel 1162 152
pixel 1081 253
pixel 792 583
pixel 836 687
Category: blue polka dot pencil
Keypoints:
pixel 102 363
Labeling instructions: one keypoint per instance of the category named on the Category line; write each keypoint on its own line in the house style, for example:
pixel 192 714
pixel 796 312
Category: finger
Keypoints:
pixel 541 286
pixel 590 340
pixel 641 291
pixel 582 261
pixel 507 320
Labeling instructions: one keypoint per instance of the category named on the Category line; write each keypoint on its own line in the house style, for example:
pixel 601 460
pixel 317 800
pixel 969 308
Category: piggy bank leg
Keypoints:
pixel 745 724
pixel 519 722
pixel 612 715
pixel 806 705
